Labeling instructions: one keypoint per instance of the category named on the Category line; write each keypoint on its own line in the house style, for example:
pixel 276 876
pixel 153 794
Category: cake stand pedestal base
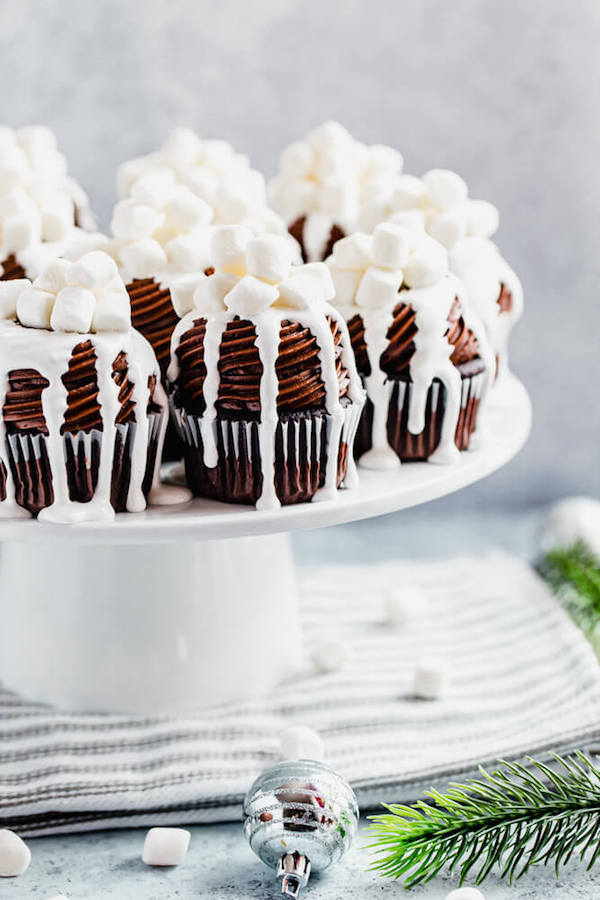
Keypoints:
pixel 149 628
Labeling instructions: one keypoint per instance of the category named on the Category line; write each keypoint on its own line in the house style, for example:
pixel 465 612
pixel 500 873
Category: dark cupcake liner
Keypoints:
pixel 28 459
pixel 301 448
pixel 413 447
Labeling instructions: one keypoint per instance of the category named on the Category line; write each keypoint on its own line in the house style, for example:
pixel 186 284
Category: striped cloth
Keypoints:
pixel 524 680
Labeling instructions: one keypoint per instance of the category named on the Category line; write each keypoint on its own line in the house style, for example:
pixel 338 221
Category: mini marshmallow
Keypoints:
pixel 91 271
pixel 465 893
pixel 19 233
pixel 143 259
pixel 378 287
pixel 250 296
pixel 345 283
pixel 269 258
pixel 413 219
pixel 409 192
pixel 15 855
pixel 297 160
pixel 228 248
pixel 182 291
pixel 381 158
pixel 331 655
pixel 427 263
pixel 448 227
pixel 85 242
pixel 37 141
pixel 574 520
pixel 10 292
pixel 482 218
pixel 188 252
pixel 301 290
pixel 210 293
pixel 73 310
pixel 34 308
pixel 301 742
pixel 321 273
pixel 133 221
pixel 430 678
pixel 391 245
pixel 154 188
pixel 405 604
pixel 353 252
pixel 57 224
pixel 165 846
pixel 232 203
pixel 445 188
pixel 339 198
pixel 182 146
pixel 112 312
pixel 186 212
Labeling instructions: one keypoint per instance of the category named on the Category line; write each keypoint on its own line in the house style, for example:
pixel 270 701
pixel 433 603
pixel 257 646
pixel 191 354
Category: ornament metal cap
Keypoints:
pixel 300 816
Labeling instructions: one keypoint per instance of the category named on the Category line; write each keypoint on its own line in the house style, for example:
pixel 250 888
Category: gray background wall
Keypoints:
pixel 506 93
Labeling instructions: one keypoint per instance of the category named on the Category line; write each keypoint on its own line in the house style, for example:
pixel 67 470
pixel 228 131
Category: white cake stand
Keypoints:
pixel 175 608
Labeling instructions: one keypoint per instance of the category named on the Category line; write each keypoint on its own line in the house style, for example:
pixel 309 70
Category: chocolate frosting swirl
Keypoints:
pixel 395 360
pixel 23 411
pixel 12 269
pixel 296 229
pixel 505 299
pixel 153 315
pixel 298 369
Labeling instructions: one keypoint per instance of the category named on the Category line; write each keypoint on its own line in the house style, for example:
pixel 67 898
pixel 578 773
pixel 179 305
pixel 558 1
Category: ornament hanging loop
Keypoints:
pixel 294 871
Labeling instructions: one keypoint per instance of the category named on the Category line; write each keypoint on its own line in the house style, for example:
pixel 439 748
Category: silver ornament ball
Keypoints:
pixel 300 816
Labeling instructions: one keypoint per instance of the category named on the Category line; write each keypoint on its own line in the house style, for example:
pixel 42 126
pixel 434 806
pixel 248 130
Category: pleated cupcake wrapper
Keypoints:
pixel 30 464
pixel 301 448
pixel 420 446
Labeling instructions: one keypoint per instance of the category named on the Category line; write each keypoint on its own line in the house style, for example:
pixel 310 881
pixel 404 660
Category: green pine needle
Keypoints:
pixel 574 576
pixel 512 818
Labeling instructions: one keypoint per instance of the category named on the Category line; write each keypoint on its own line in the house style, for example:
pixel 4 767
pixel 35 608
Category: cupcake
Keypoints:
pixel 40 206
pixel 440 202
pixel 420 349
pixel 262 382
pixel 324 183
pixel 83 410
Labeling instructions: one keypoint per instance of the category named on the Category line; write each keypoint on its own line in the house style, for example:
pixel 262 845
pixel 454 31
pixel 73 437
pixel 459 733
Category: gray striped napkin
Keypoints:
pixel 524 680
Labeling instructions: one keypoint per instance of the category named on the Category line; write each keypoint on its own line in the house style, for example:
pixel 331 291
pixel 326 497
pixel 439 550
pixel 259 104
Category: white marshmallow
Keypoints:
pixel 188 252
pixel 20 232
pixel 182 292
pixel 405 604
pixel 413 219
pixel 73 310
pixel 250 296
pixel 16 202
pixel 15 855
pixel 427 263
pixel 482 218
pixel 154 188
pixel 345 283
pixel 339 198
pixel 84 242
pixel 182 147
pixel 297 160
pixel 408 193
pixel 448 227
pixel 430 678
pixel 301 742
pixel 34 308
pixel 38 142
pixel 59 897
pixel 211 290
pixel 269 258
pixel 92 270
pixel 328 136
pixel 143 259
pixel 233 204
pixel 186 212
pixel 228 248
pixel 112 312
pixel 381 158
pixel 378 287
pixel 445 188
pixel 165 846
pixel 465 893
pixel 57 224
pixel 331 655
pixel 10 292
pixel 391 245
pixel 131 171
pixel 353 252
pixel 321 273
pixel 572 521
pixel 294 198
pixel 301 290
pixel 133 221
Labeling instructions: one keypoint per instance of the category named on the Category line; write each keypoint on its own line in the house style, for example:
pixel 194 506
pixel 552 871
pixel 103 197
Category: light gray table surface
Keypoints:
pixel 219 864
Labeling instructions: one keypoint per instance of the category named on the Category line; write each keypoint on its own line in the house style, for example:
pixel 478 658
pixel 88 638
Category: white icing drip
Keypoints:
pixel 215 326
pixel 315 234
pixel 268 328
pixel 51 352
pixel 376 323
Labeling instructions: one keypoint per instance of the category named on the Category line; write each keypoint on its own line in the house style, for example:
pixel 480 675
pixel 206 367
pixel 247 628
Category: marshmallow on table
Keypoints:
pixel 165 846
pixel 15 855
pixel 465 893
pixel 571 521
pixel 331 655
pixel 301 742
pixel 404 604
pixel 430 678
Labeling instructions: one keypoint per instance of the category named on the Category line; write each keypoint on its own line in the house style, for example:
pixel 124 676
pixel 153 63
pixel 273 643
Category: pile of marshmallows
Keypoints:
pixel 81 297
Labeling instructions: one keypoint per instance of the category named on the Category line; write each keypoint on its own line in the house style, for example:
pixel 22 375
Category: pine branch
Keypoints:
pixel 513 818
pixel 574 576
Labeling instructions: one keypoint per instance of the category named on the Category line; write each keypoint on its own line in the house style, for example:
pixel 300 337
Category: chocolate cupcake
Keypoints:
pixel 40 205
pixel 83 411
pixel 439 202
pixel 421 351
pixel 262 382
pixel 324 183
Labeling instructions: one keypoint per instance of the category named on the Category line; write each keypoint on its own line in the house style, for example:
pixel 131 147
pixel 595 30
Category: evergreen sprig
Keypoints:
pixel 514 817
pixel 574 575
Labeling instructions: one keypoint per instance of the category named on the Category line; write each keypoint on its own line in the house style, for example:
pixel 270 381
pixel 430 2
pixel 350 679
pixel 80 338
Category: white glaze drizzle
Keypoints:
pixel 50 353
